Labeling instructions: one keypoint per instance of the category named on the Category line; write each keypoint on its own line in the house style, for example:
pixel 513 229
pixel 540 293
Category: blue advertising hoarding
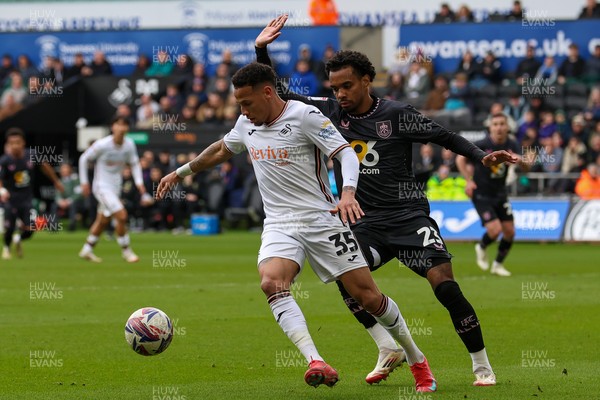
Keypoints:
pixel 122 48
pixel 534 219
pixel 446 43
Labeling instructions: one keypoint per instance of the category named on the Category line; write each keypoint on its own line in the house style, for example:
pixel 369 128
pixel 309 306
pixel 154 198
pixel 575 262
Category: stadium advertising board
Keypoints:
pixel 445 43
pixel 123 47
pixel 583 223
pixel 534 219
pixel 130 15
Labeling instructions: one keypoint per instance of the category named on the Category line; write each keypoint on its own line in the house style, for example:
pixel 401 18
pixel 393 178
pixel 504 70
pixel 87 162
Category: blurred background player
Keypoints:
pixel 487 189
pixel 110 154
pixel 16 168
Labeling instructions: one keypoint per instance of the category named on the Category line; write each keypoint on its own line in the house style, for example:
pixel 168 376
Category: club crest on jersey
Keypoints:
pixel 384 129
pixel 286 131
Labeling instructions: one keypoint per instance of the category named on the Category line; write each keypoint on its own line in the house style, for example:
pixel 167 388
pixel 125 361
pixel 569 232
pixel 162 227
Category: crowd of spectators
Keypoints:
pixel 553 111
pixel 447 15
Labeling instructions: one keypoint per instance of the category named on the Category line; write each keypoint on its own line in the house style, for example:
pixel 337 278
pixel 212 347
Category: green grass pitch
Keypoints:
pixel 62 322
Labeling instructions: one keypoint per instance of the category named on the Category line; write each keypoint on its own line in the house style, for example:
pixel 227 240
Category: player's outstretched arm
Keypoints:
pixel 214 154
pixel 499 157
pixel 462 165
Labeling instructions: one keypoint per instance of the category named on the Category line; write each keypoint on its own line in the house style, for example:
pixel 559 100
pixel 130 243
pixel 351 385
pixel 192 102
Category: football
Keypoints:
pixel 149 331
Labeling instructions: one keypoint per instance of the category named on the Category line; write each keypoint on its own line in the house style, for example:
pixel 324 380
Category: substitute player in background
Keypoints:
pixel 16 168
pixel 397 222
pixel 110 154
pixel 487 189
pixel 286 142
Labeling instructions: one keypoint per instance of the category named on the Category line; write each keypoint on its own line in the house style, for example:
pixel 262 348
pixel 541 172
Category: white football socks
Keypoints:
pixel 382 338
pixel 288 315
pixel 391 319
pixel 123 241
pixel 481 364
pixel 90 242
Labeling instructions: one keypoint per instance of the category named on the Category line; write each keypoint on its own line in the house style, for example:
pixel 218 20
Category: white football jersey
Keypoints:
pixel 110 159
pixel 288 156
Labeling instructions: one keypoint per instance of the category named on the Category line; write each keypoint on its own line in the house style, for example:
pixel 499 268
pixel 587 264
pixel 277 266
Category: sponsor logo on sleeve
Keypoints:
pixel 327 130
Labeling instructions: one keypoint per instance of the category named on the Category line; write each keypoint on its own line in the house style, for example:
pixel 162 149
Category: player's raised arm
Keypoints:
pixel 214 154
pixel 271 32
pixel 268 35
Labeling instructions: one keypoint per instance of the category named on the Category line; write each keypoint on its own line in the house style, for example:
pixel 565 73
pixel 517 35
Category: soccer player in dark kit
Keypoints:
pixel 16 167
pixel 487 189
pixel 396 222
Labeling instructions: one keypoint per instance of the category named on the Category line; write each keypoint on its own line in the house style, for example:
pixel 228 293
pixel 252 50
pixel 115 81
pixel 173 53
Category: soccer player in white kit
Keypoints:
pixel 287 142
pixel 110 154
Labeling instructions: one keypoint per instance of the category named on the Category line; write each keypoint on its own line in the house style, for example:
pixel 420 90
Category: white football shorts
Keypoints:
pixel 108 201
pixel 330 247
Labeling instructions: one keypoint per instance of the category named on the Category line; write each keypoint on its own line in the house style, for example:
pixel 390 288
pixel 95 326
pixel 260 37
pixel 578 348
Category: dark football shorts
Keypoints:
pixel 415 241
pixel 490 208
pixel 21 210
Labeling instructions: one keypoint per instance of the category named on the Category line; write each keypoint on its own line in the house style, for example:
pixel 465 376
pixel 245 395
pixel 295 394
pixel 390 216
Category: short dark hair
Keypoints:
pixel 15 132
pixel 347 58
pixel 120 118
pixel 253 74
pixel 500 115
